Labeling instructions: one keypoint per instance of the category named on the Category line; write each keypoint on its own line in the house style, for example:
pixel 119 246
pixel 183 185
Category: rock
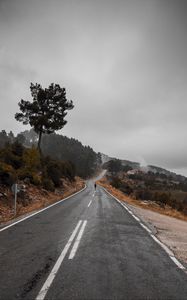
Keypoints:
pixel 3 195
pixel 27 180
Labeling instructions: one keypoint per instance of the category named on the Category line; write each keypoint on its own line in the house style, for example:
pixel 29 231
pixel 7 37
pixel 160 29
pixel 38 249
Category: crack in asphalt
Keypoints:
pixel 28 287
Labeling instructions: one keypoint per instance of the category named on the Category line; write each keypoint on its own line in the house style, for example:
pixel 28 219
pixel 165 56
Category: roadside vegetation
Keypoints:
pixel 43 178
pixel 84 159
pixel 149 187
pixel 46 166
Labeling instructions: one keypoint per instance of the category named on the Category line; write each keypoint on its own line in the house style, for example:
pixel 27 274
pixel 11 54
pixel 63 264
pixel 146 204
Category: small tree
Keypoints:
pixel 114 166
pixel 31 159
pixel 47 111
pixel 20 138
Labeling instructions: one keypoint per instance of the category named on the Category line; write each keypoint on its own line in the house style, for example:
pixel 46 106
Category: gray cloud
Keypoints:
pixel 122 62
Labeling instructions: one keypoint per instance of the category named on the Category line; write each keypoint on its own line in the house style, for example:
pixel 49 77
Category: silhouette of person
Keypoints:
pixel 95 185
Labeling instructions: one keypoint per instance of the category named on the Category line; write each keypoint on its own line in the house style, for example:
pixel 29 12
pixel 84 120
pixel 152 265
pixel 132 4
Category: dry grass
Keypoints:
pixel 40 198
pixel 168 211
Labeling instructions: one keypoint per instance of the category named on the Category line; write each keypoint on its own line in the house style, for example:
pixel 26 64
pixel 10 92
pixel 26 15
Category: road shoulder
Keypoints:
pixel 170 231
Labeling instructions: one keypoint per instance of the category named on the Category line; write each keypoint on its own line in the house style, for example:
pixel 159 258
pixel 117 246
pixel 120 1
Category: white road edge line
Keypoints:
pixel 89 203
pixel 57 265
pixel 136 218
pixel 177 262
pixel 43 209
pixel 145 227
pixel 77 241
pixel 167 250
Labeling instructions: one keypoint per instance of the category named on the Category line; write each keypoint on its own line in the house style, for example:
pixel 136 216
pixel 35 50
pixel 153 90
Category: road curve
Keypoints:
pixel 88 247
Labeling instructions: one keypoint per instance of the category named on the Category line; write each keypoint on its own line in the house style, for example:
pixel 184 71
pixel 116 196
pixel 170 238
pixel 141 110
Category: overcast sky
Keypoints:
pixel 123 63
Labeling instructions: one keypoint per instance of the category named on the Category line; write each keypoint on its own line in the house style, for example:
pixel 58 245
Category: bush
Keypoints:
pixel 114 166
pixel 48 184
pixel 7 156
pixel 68 170
pixel 116 182
pixel 121 185
pixel 54 173
pixel 24 173
pixel 7 174
pixel 164 198
pixel 17 149
pixel 125 188
pixel 55 170
pixel 31 159
pixel 36 180
pixel 30 175
pixel 126 168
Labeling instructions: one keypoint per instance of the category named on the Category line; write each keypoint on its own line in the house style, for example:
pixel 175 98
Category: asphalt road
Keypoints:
pixel 87 247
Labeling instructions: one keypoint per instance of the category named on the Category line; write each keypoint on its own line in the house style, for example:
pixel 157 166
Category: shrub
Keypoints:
pixel 48 184
pixel 68 170
pixel 24 173
pixel 121 185
pixel 54 172
pixel 36 179
pixel 116 182
pixel 17 149
pixel 7 156
pixel 31 159
pixel 125 188
pixel 32 177
pixel 7 174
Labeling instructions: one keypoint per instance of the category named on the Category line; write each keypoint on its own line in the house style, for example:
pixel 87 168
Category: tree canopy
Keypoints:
pixel 113 166
pixel 85 159
pixel 47 110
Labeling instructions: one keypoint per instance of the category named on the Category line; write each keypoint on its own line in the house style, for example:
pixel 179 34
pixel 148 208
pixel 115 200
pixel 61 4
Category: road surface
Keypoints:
pixel 87 247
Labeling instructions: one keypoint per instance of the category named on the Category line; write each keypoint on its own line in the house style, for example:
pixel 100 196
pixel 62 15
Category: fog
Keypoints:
pixel 123 63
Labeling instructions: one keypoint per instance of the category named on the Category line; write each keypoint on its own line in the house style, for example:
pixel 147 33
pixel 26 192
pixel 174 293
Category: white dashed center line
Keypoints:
pixel 56 267
pixel 89 203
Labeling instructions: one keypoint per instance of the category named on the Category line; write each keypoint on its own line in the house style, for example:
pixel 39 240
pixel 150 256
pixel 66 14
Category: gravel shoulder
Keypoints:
pixel 168 225
pixel 172 232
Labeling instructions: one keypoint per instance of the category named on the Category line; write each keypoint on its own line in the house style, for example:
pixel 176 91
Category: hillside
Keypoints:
pixel 85 160
pixel 32 197
pixel 64 158
pixel 136 165
pixel 41 180
pixel 146 184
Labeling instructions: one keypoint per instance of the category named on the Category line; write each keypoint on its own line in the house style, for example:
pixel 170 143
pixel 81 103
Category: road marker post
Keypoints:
pixel 41 210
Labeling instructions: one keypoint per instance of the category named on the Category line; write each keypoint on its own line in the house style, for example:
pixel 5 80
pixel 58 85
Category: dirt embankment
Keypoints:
pixel 170 225
pixel 34 198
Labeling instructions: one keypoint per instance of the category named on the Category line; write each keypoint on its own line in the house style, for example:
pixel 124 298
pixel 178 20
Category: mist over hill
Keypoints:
pixel 85 159
pixel 144 168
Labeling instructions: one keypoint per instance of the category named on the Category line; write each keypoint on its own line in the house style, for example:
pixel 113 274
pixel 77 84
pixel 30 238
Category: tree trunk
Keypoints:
pixel 39 142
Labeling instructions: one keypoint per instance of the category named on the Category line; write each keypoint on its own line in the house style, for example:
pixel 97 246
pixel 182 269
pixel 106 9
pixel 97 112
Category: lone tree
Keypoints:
pixel 47 110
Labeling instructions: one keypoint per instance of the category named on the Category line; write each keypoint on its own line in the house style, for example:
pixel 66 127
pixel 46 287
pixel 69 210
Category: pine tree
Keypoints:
pixel 47 110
